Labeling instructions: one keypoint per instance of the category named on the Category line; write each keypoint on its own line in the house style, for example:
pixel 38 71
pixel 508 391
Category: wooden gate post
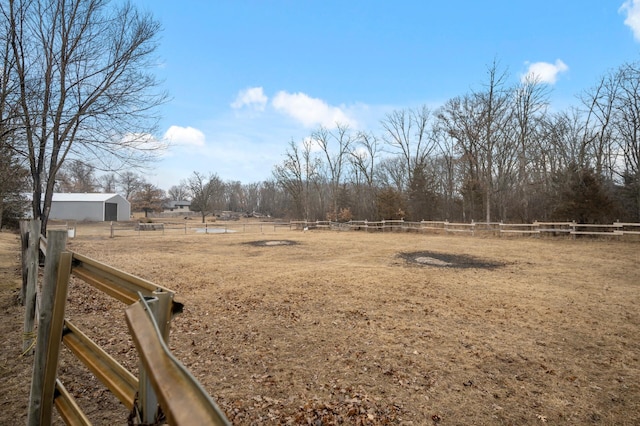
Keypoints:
pixel 32 258
pixel 24 246
pixel 54 293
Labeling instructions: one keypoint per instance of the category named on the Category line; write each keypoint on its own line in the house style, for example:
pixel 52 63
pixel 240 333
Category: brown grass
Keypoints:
pixel 341 328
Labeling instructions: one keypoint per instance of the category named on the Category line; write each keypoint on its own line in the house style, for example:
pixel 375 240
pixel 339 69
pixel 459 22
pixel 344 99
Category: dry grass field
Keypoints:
pixel 369 328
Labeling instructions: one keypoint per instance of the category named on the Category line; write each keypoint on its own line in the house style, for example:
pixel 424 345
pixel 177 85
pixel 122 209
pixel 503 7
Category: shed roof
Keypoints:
pixel 94 197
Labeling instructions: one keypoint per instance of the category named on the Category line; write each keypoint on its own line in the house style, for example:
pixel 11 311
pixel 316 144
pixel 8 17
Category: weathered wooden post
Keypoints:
pixel 111 230
pixel 160 308
pixel 24 246
pixel 54 294
pixel 32 257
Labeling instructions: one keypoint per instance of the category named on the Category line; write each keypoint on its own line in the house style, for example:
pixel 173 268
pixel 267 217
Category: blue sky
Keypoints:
pixel 247 77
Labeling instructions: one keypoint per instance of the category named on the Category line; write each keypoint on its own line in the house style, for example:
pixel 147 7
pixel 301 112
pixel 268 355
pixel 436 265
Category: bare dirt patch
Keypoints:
pixel 335 330
pixel 429 258
pixel 271 243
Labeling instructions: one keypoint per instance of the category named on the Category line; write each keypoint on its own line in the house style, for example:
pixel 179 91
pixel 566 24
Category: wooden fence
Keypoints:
pixel 164 388
pixel 571 229
pixel 166 227
pixel 616 229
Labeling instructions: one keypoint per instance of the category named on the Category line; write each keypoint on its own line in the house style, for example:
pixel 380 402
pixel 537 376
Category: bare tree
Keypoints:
pixel 297 175
pixel 273 199
pixel 206 191
pixel 129 182
pixel 460 118
pixel 494 103
pixel 84 89
pixel 408 133
pixel 235 197
pixel 108 182
pixel 529 104
pixel 627 110
pixel 364 156
pixel 76 176
pixel 445 167
pixel 627 125
pixel 363 159
pixel 149 198
pixel 179 192
pixel 598 104
pixel 335 145
pixel 252 196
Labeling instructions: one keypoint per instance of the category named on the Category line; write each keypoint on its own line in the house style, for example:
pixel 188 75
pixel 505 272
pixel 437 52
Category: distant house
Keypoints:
pixel 89 207
pixel 177 206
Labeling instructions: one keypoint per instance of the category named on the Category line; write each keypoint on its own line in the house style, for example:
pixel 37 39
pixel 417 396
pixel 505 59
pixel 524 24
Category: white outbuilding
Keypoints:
pixel 89 207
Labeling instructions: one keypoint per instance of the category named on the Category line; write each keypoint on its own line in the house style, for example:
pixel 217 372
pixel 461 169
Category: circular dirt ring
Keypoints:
pixel 447 260
pixel 271 243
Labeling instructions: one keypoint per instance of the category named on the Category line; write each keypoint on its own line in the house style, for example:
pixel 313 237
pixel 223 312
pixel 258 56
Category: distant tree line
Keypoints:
pixel 496 154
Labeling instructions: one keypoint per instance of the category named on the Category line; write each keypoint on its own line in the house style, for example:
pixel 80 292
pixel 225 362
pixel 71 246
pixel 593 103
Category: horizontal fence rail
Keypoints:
pixel 181 396
pixel 164 387
pixel 537 228
pixel 497 228
pixel 110 372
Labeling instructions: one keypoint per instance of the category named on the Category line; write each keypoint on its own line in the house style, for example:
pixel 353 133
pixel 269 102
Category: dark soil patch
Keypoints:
pixel 445 260
pixel 271 243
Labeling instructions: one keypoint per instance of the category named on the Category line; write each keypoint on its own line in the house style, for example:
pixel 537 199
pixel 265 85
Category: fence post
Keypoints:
pixel 160 308
pixel 111 230
pixel 32 255
pixel 54 293
pixel 24 246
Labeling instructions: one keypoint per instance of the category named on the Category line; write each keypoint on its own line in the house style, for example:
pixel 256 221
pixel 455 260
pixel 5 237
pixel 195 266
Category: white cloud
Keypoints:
pixel 253 97
pixel 544 72
pixel 632 9
pixel 142 141
pixel 310 111
pixel 187 136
